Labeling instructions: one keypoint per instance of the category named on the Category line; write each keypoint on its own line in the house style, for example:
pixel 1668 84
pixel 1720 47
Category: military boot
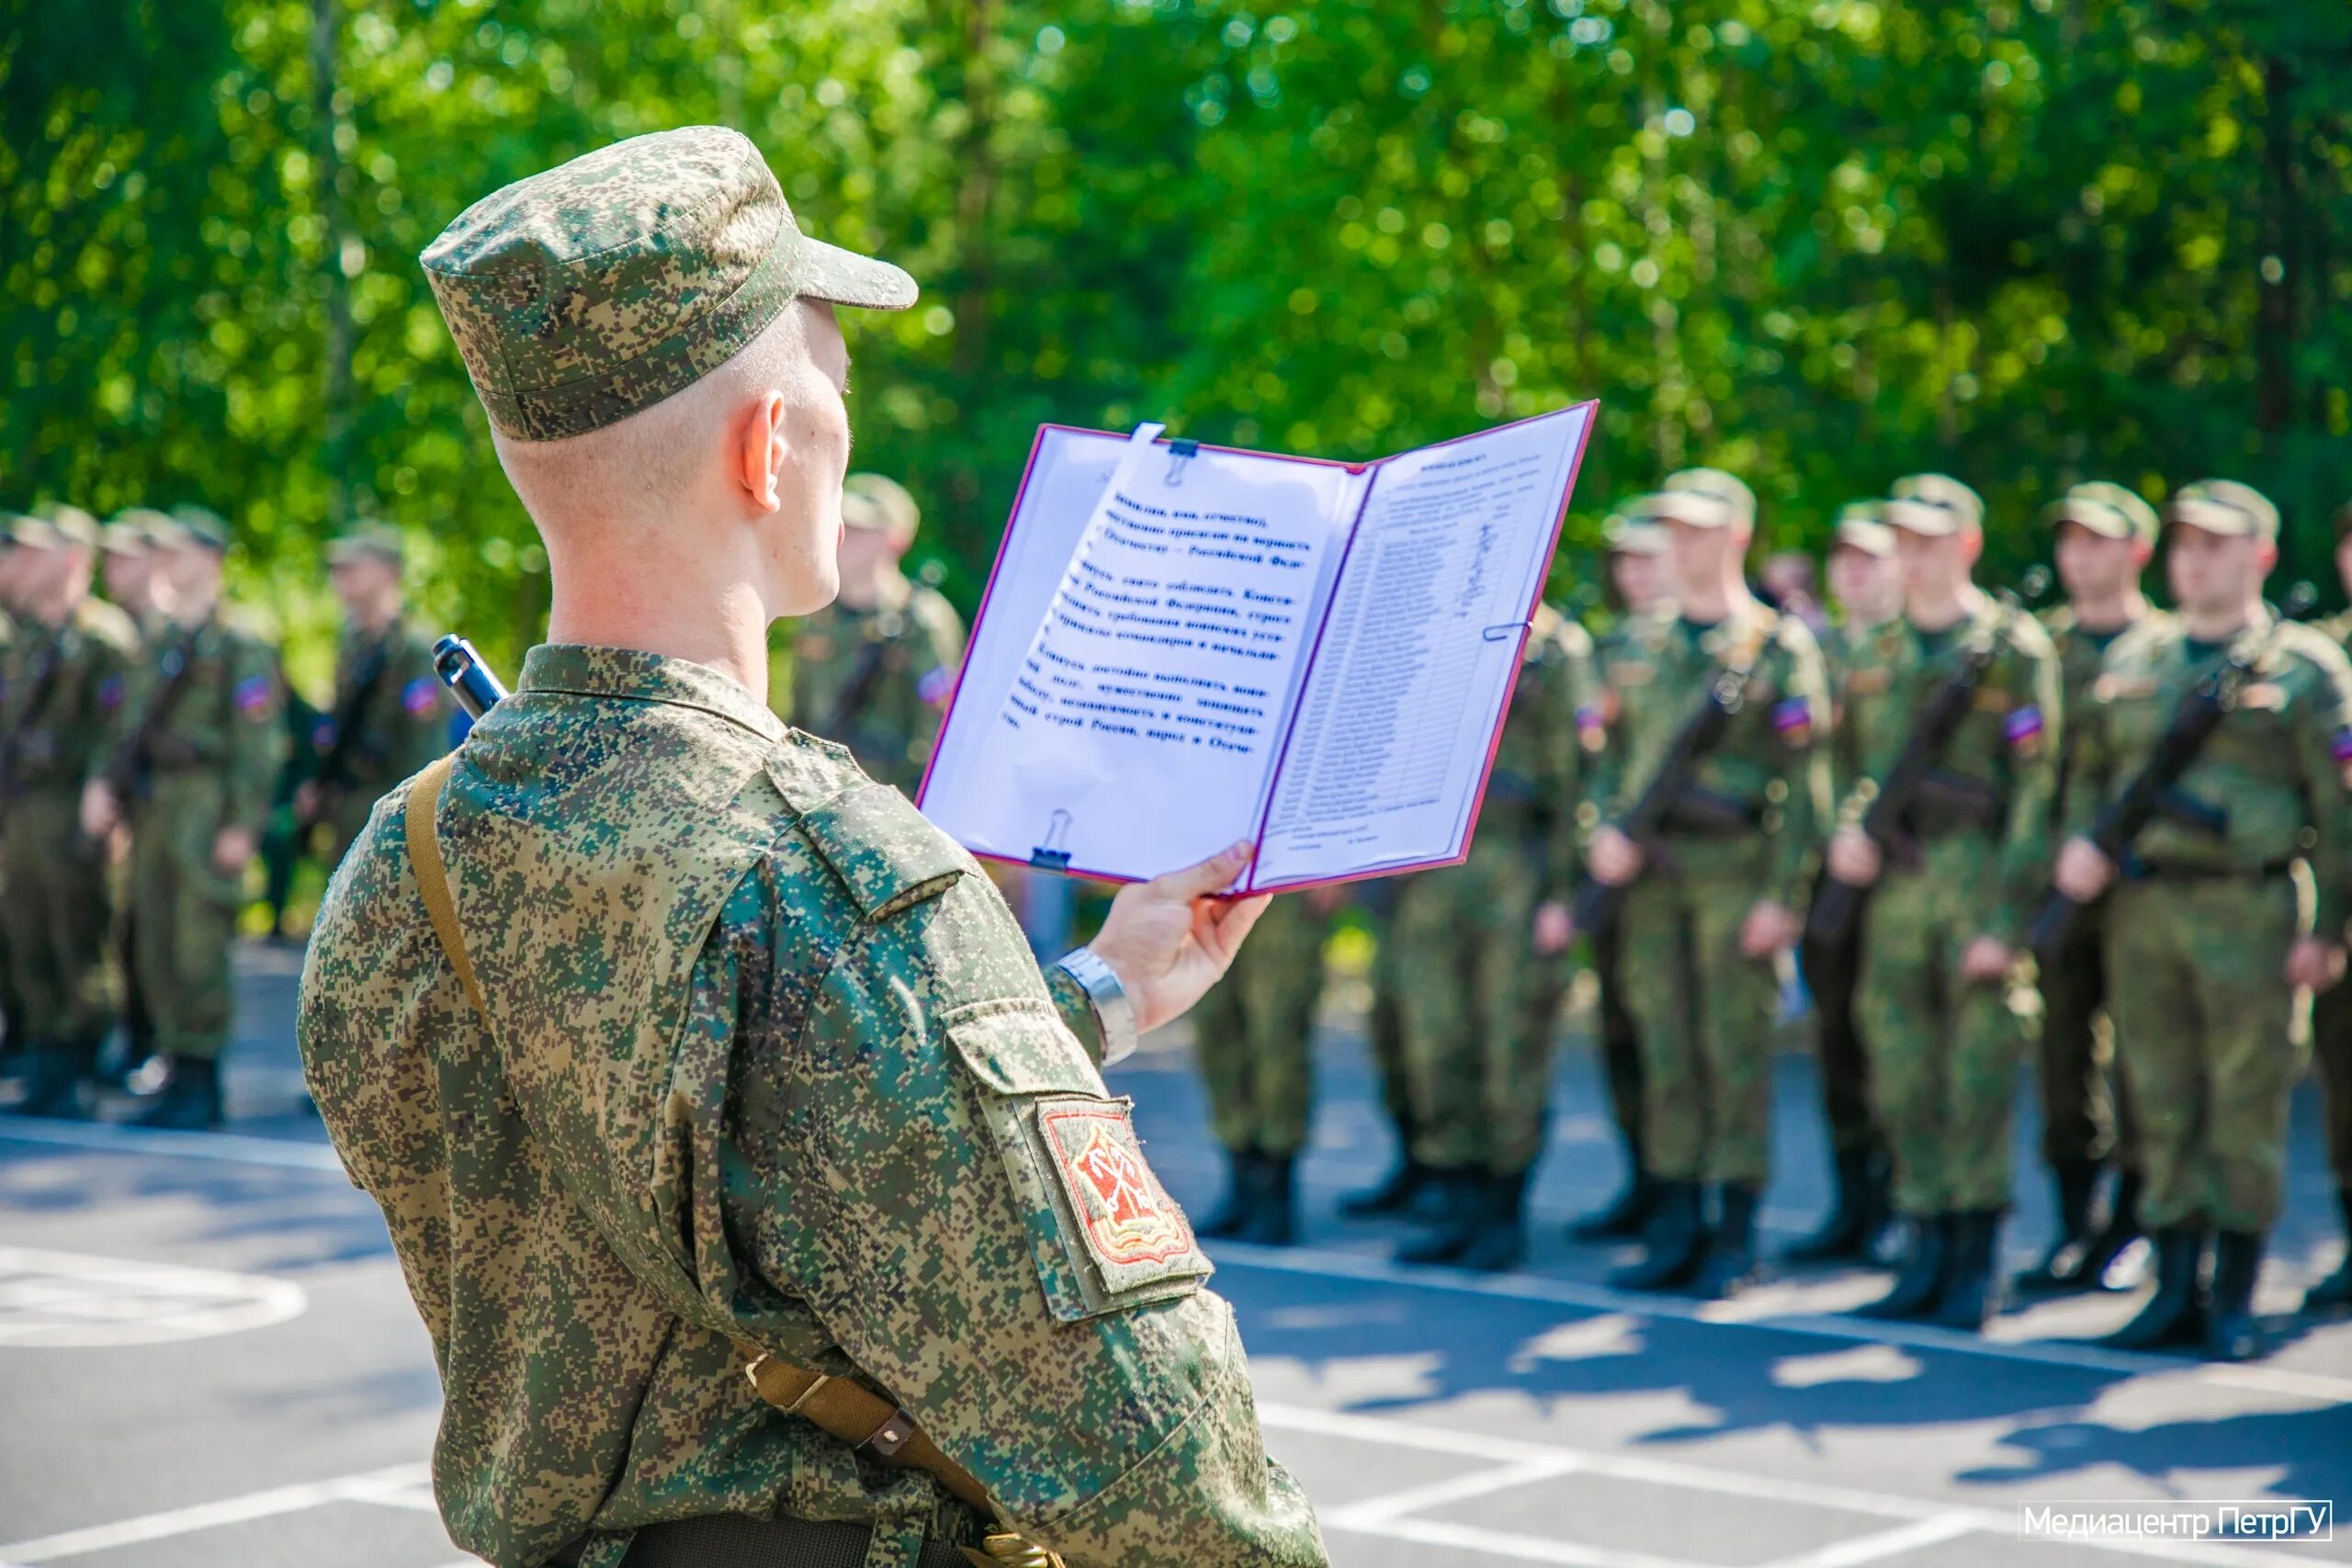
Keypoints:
pixel 1919 1284
pixel 2335 1292
pixel 1673 1242
pixel 190 1102
pixel 2066 1261
pixel 1730 1262
pixel 1233 1216
pixel 2175 1313
pixel 1972 1293
pixel 1857 1211
pixel 1624 1216
pixel 1399 1193
pixel 1502 1241
pixel 1461 1208
pixel 2231 1331
pixel 2119 1230
pixel 53 1077
pixel 1273 1221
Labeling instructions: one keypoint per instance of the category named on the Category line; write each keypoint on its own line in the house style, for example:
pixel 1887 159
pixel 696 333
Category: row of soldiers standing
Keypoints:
pixel 142 739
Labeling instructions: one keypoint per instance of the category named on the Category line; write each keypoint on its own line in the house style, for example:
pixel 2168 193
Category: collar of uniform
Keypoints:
pixel 636 676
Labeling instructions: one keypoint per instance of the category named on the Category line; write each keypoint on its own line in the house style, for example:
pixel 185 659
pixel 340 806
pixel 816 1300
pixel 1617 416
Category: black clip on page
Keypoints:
pixel 1045 857
pixel 1179 452
pixel 1503 631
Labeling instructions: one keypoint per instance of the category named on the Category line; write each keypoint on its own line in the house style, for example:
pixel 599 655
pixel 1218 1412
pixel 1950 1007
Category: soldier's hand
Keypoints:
pixel 2314 963
pixel 1168 940
pixel 1613 858
pixel 1555 927
pixel 1986 960
pixel 1853 858
pixel 2082 873
pixel 100 810
pixel 231 848
pixel 1770 928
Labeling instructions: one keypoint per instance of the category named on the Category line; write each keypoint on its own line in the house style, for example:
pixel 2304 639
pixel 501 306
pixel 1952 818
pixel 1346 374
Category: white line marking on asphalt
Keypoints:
pixel 1375 1512
pixel 1930 1531
pixel 2001 1523
pixel 73 1300
pixel 235 1148
pixel 367 1486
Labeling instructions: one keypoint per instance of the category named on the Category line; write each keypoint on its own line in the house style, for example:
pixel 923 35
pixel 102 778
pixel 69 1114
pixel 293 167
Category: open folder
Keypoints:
pixel 1182 645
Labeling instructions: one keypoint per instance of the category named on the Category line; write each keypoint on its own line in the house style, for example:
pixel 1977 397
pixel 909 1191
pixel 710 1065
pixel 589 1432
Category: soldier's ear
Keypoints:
pixel 762 451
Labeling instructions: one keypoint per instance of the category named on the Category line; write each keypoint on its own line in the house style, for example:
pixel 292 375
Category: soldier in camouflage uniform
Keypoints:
pixel 1867 587
pixel 63 710
pixel 127 546
pixel 390 715
pixel 1946 914
pixel 2332 1020
pixel 2107 537
pixel 670 1044
pixel 12 1007
pixel 2206 917
pixel 1252 1031
pixel 1469 983
pixel 1639 582
pixel 199 756
pixel 874 669
pixel 1714 895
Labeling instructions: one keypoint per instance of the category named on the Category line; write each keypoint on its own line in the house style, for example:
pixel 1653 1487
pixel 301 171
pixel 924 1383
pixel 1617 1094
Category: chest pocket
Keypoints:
pixel 1103 1231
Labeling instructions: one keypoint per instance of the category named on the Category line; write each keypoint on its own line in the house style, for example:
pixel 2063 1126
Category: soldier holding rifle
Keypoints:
pixel 2225 728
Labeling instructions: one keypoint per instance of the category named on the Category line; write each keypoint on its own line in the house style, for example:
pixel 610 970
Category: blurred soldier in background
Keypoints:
pixel 126 548
pixel 2107 537
pixel 1868 588
pixel 12 1015
pixel 126 565
pixel 874 669
pixel 1463 935
pixel 1252 1031
pixel 1640 584
pixel 1714 895
pixel 389 717
pixel 1940 935
pixel 64 703
pixel 1407 1183
pixel 1788 582
pixel 192 778
pixel 2332 1020
pixel 2207 920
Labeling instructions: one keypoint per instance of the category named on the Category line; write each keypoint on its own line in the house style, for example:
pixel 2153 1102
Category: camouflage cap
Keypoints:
pixel 1933 504
pixel 2108 510
pixel 197 526
pixel 1630 535
pixel 132 531
pixel 66 525
pixel 579 296
pixel 369 541
pixel 10 522
pixel 872 501
pixel 2225 507
pixel 1704 497
pixel 1861 526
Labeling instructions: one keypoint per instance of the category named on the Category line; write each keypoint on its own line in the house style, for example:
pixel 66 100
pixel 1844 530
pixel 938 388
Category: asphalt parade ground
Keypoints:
pixel 208 1360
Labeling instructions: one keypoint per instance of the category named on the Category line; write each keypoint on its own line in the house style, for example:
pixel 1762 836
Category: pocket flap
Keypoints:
pixel 888 855
pixel 1022 1047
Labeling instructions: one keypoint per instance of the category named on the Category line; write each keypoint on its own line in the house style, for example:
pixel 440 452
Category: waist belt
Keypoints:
pixel 734 1541
pixel 2167 871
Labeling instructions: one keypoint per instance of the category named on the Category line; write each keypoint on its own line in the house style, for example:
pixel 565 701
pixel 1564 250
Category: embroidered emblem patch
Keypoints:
pixel 251 695
pixel 421 696
pixel 1869 683
pixel 1793 718
pixel 937 686
pixel 1131 1227
pixel 1592 728
pixel 111 694
pixel 2023 727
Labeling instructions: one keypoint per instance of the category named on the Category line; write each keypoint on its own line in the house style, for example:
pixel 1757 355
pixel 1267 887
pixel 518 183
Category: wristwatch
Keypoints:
pixel 1112 1004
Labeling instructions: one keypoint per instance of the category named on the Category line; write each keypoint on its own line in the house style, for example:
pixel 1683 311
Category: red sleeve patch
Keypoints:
pixel 1130 1226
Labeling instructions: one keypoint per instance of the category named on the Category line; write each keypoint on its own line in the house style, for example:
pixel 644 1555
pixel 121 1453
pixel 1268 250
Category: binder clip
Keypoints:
pixel 1503 631
pixel 1045 856
pixel 1179 452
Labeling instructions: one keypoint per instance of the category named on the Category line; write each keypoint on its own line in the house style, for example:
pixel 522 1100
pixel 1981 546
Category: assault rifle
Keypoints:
pixel 333 777
pixel 1599 903
pixel 129 771
pixel 469 679
pixel 1838 905
pixel 41 677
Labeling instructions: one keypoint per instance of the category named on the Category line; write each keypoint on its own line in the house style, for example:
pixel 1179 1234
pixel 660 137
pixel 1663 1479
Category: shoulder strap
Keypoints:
pixel 840 1406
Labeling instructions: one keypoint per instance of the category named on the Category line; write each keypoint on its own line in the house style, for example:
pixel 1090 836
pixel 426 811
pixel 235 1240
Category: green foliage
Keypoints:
pixel 2025 241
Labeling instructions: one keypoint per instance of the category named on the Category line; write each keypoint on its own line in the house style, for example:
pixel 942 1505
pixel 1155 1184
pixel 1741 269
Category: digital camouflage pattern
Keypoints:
pixel 915 646
pixel 59 733
pixel 2203 1029
pixel 1466 985
pixel 1253 1029
pixel 1702 1009
pixel 1942 1052
pixel 1830 973
pixel 771 1064
pixel 580 295
pixel 402 720
pixel 214 763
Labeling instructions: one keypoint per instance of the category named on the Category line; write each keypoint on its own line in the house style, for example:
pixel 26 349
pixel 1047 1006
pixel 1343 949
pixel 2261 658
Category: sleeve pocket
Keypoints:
pixel 1104 1234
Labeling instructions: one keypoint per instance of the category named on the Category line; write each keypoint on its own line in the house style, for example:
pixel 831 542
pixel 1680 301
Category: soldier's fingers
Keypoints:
pixel 1227 922
pixel 1211 875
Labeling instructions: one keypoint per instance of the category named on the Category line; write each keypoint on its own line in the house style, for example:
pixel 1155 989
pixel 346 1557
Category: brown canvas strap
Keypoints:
pixel 840 1406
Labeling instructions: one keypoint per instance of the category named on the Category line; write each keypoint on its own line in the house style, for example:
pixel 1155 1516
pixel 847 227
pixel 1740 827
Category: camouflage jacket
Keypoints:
pixel 226 721
pixel 1534 788
pixel 914 648
pixel 2080 655
pixel 402 721
pixel 60 731
pixel 772 1066
pixel 2004 755
pixel 2275 772
pixel 1764 790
